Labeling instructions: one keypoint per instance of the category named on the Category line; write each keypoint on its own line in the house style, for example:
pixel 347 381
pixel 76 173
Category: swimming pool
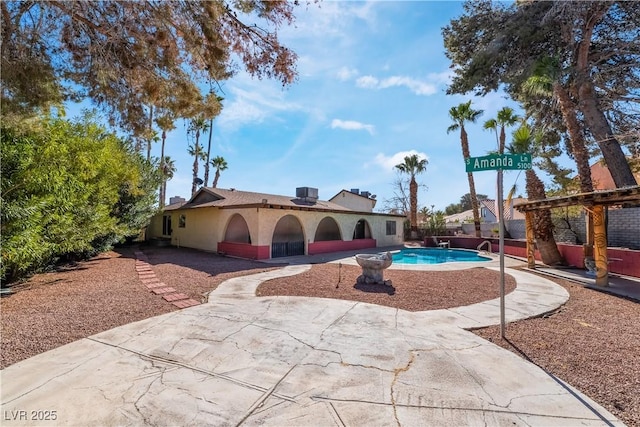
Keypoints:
pixel 436 256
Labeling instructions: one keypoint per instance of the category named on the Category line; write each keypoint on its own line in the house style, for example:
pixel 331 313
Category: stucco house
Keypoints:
pixel 262 226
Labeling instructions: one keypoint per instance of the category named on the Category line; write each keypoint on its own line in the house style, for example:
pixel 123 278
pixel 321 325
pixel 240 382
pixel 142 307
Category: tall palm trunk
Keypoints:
pixel 163 184
pixel 542 224
pixel 413 202
pixel 150 133
pixel 196 154
pixel 215 179
pixel 472 186
pixel 578 145
pixel 206 163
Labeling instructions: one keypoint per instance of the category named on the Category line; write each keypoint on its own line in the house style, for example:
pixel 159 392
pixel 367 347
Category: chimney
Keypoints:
pixel 176 199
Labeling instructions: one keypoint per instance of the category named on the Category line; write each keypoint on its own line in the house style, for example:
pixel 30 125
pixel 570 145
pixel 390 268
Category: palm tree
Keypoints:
pixel 506 117
pixel 220 164
pixel 196 151
pixel 461 114
pixel 207 161
pixel 165 123
pixel 525 141
pixel 412 166
pixel 545 82
pixel 167 168
pixel 196 125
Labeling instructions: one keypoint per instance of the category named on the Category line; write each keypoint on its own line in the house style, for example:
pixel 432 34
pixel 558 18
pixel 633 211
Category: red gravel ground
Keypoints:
pixel 410 290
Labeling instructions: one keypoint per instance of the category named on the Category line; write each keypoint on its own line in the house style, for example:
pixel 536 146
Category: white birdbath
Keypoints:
pixel 372 267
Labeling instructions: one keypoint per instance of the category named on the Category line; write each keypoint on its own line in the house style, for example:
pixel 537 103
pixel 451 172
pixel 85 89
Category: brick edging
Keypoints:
pixel 147 276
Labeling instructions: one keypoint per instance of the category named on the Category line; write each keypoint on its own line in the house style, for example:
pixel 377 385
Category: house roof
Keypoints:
pixel 372 200
pixel 232 198
pixel 354 194
pixel 601 177
pixel 460 217
pixel 491 205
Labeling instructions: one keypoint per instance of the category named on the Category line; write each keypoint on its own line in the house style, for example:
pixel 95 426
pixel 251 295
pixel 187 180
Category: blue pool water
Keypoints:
pixel 435 256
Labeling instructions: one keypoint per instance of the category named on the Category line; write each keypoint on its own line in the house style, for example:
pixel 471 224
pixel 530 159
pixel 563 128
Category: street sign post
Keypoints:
pixel 500 162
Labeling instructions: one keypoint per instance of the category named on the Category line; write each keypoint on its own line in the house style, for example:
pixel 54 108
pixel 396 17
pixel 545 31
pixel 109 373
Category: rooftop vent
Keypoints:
pixel 308 194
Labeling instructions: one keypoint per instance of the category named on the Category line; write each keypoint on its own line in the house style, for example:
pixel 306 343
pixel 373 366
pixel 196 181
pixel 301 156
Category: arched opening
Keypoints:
pixel 237 230
pixel 288 238
pixel 327 230
pixel 362 230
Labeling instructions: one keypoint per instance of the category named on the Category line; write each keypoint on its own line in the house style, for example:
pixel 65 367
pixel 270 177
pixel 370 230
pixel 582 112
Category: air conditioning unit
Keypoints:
pixel 365 194
pixel 308 193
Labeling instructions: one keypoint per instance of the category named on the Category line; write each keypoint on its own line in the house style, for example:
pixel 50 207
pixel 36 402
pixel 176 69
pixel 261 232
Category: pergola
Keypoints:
pixel 594 204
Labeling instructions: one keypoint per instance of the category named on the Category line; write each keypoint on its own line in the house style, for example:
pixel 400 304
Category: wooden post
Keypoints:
pixel 600 246
pixel 531 243
pixel 588 245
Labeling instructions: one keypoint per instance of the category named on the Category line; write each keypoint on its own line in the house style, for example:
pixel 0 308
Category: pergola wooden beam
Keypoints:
pixel 594 204
pixel 618 196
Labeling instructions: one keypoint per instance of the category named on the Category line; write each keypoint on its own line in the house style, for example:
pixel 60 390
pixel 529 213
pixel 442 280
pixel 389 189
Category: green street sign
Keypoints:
pixel 494 162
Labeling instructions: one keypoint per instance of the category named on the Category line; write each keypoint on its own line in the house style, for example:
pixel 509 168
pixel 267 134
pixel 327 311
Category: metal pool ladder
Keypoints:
pixel 488 243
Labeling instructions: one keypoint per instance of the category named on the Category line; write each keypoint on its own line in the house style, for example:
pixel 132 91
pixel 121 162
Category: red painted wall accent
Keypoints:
pixel 340 245
pixel 621 261
pixel 244 250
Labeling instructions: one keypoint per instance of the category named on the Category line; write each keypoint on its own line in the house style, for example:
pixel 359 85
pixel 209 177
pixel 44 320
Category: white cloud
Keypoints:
pixel 367 82
pixel 346 73
pixel 248 105
pixel 416 86
pixel 351 125
pixel 389 163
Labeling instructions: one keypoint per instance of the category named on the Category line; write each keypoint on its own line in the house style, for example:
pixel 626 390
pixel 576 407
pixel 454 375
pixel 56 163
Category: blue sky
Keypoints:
pixel 371 89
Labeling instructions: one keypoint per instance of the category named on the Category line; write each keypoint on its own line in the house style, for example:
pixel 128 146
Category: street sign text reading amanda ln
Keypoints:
pixel 499 161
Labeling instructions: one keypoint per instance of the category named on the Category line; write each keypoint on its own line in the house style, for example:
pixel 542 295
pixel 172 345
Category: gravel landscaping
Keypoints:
pixel 591 342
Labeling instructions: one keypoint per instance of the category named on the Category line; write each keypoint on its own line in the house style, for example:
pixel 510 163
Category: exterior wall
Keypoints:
pixel 517 228
pixel 354 202
pixel 621 261
pixel 205 229
pixel 244 250
pixel 154 229
pixel 623 229
pixel 200 230
pixel 339 245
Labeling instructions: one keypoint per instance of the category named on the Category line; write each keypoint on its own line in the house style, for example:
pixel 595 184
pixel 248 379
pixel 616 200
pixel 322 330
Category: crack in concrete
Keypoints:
pixel 335 413
pixel 160 359
pixel 145 419
pixel 337 320
pixel 396 373
pixel 301 341
pixel 475 379
pixel 451 408
pixel 260 402
pixel 53 378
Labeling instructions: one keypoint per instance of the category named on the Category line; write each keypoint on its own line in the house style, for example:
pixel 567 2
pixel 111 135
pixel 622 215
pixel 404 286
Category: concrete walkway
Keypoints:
pixel 280 361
